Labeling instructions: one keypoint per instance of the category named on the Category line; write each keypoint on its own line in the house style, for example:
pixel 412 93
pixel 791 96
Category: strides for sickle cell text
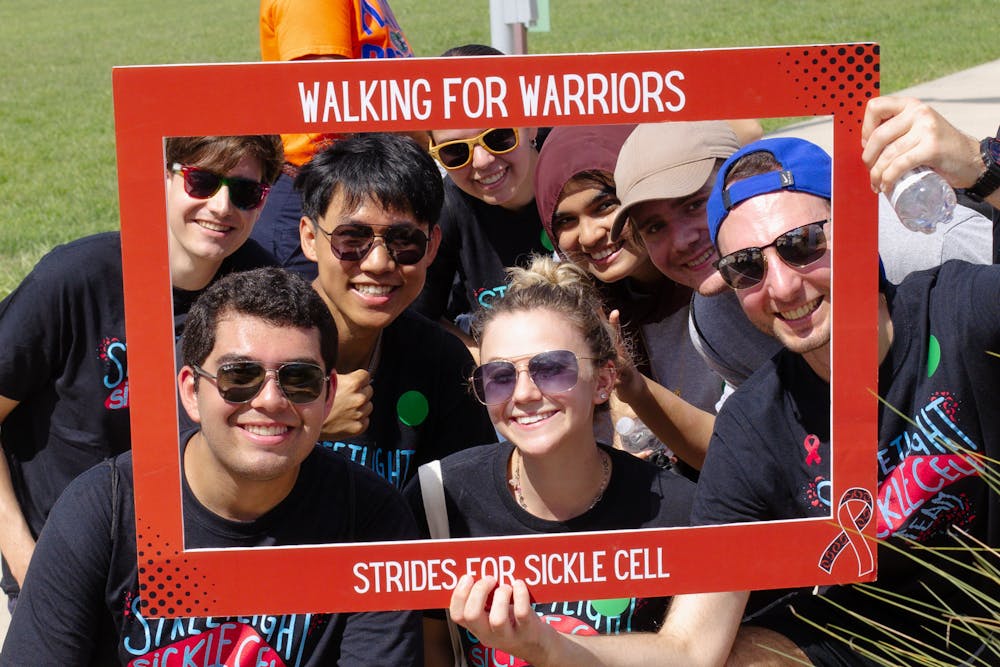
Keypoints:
pixel 577 567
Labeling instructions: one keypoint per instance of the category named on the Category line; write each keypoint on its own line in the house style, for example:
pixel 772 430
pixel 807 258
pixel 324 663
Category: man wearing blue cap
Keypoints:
pixel 769 216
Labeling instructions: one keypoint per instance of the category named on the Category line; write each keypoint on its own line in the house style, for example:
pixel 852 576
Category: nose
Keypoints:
pixel 592 233
pixel 378 259
pixel 219 203
pixel 525 389
pixel 683 236
pixel 270 395
pixel 481 157
pixel 783 282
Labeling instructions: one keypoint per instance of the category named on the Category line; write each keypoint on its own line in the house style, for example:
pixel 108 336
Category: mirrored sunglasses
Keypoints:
pixel 458 153
pixel 240 381
pixel 245 193
pixel 798 247
pixel 406 244
pixel 552 372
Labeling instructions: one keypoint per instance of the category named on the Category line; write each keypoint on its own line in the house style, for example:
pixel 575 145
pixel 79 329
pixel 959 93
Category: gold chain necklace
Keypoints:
pixel 515 480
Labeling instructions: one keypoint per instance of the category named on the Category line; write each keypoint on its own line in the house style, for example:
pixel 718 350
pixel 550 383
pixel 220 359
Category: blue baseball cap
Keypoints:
pixel 805 168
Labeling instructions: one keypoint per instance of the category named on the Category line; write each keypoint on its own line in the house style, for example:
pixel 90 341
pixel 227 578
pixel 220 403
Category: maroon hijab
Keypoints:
pixel 567 151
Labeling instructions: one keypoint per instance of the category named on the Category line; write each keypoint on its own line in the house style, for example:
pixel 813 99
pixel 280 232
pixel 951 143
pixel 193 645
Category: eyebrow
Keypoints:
pixel 234 357
pixel 675 202
pixel 603 193
pixel 408 222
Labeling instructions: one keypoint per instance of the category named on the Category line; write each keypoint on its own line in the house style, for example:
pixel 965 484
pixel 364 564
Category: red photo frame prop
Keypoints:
pixel 522 91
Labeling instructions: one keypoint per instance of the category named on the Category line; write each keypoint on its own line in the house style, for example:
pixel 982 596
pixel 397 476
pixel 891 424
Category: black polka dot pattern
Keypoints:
pixel 835 79
pixel 168 583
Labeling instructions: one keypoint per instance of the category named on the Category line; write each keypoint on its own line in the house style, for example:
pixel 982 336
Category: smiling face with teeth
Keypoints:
pixel 675 233
pixel 365 295
pixel 203 232
pixel 792 304
pixel 535 422
pixel 582 226
pixel 505 180
pixel 247 447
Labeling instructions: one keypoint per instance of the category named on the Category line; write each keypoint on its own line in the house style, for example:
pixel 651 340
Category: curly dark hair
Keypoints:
pixel 277 296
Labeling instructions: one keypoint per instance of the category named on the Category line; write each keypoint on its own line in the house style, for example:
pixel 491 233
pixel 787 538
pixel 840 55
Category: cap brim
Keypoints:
pixel 676 181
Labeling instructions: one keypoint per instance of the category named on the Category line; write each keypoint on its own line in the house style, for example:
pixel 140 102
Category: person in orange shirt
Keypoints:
pixel 315 30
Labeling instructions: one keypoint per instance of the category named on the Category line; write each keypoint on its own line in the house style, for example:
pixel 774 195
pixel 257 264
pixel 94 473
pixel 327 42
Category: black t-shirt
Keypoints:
pixel 64 358
pixel 769 456
pixel 478 241
pixel 81 600
pixel 939 383
pixel 479 504
pixel 940 375
pixel 422 407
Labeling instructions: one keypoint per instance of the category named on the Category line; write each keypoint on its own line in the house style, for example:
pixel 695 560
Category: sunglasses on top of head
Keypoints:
pixel 458 153
pixel 797 247
pixel 241 381
pixel 245 193
pixel 552 372
pixel 352 242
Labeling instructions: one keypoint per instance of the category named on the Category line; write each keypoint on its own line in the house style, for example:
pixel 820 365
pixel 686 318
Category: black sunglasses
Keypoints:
pixel 240 381
pixel 552 372
pixel 352 242
pixel 458 153
pixel 797 247
pixel 245 193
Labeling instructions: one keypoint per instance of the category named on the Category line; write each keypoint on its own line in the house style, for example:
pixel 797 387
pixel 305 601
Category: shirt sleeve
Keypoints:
pixel 61 607
pixel 969 236
pixel 33 324
pixel 293 29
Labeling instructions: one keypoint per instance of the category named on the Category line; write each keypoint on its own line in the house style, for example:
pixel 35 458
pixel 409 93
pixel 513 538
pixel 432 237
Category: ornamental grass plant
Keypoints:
pixel 970 570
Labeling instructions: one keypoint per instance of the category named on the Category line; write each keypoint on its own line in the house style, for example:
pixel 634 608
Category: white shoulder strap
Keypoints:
pixel 432 491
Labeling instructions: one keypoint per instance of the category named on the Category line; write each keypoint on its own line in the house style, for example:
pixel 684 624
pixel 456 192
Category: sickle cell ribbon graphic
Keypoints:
pixel 854 512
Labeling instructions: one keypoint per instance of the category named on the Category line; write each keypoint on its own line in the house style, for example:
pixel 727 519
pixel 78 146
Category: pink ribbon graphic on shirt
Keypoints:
pixel 854 512
pixel 811 443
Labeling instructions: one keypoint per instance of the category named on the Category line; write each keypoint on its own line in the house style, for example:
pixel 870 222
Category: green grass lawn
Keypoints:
pixel 57 161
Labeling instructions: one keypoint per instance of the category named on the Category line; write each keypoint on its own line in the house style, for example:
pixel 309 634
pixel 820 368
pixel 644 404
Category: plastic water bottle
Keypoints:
pixel 636 436
pixel 923 200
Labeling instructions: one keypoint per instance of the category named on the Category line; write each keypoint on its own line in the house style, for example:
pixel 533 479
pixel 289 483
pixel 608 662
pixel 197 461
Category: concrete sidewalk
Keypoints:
pixel 969 99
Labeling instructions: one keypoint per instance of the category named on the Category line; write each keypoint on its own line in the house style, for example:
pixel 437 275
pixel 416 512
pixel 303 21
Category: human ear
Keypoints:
pixel 605 383
pixel 188 390
pixel 433 243
pixel 307 238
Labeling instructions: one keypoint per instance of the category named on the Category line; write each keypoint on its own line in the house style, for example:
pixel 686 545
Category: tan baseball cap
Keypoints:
pixel 668 160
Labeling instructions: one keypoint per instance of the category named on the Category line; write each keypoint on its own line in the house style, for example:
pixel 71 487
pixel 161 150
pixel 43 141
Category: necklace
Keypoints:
pixel 515 480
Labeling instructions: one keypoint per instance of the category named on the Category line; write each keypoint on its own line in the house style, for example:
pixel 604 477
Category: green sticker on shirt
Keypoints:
pixel 412 408
pixel 612 608
pixel 933 355
pixel 547 242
